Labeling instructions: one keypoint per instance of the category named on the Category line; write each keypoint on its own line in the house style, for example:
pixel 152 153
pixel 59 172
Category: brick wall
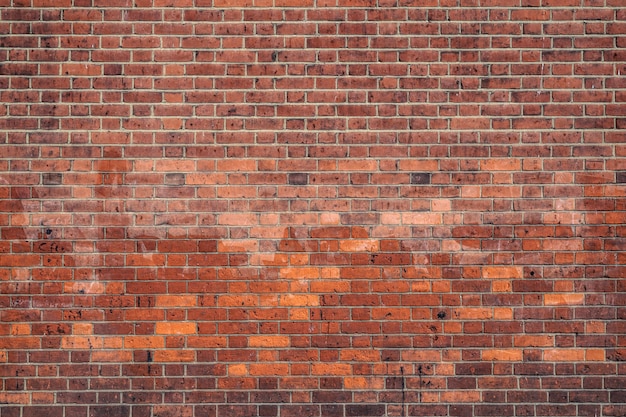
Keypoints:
pixel 233 208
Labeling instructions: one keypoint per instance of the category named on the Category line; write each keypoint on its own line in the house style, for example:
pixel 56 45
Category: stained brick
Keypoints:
pixel 235 208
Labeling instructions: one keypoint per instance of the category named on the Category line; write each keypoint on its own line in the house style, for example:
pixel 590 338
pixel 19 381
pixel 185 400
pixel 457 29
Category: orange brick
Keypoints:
pixel 503 313
pixel 176 300
pixel 473 313
pixel 172 327
pixel 533 341
pixel 418 355
pixel 174 356
pixel 237 300
pixel 357 245
pixel 299 314
pixel 235 219
pixel 271 369
pixel 79 342
pixel 502 272
pixel 82 328
pixel 501 286
pixel 20 329
pixel 460 396
pixel 14 398
pixel 238 369
pixel 364 383
pixel 501 165
pixel 421 218
pixel 331 369
pixel 207 342
pixel 502 355
pixel 299 300
pixel 359 355
pixel 268 341
pixel 247 245
pixel 595 355
pixel 144 342
pixel 564 355
pixel 89 287
pixel 300 273
pixel 205 179
pixel 563 299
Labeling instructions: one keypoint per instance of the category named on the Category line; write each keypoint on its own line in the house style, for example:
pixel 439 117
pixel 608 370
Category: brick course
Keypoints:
pixel 233 208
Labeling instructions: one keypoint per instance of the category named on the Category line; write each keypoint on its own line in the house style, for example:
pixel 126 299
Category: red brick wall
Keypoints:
pixel 312 208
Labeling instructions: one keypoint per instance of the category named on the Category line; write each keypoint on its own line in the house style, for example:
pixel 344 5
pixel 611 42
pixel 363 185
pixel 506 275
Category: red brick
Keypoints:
pixel 258 207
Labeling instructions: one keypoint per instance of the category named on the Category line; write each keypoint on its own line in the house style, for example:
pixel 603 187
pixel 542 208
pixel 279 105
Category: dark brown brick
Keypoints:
pixel 420 178
pixel 52 178
pixel 298 179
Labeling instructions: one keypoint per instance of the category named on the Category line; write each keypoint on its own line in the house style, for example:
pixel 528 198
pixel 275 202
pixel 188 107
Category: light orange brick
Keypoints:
pixel 359 245
pixel 144 342
pixel 290 300
pixel 364 383
pixel 173 328
pixel 300 273
pixel 174 355
pixel 269 369
pixel 331 369
pixel 502 272
pixel 176 301
pixel 564 355
pixel 533 340
pixel 502 355
pixel 268 341
pixel 563 299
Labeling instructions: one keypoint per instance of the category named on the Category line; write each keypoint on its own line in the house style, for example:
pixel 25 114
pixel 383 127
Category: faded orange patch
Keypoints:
pixel 563 355
pixel 207 341
pixel 331 369
pixel 117 356
pixel 364 383
pixel 299 314
pixel 174 356
pixel 248 245
pixel 501 286
pixel 502 354
pixel 268 341
pixel 300 273
pixel 359 245
pixel 14 398
pixel 533 341
pixel 237 369
pixel 596 355
pixel 82 328
pixel 563 299
pixel 87 287
pixel 176 301
pixel 421 218
pixel 460 396
pixel 20 329
pixel 299 300
pixel 503 313
pixel 502 272
pixel 144 342
pixel 360 355
pixel 172 327
pixel 79 342
pixel 473 313
pixel 270 369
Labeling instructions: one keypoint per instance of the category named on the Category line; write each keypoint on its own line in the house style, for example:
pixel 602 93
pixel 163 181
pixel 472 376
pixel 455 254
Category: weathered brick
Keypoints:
pixel 345 208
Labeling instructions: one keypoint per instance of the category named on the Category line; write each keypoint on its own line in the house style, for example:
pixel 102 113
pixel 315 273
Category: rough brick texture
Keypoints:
pixel 342 208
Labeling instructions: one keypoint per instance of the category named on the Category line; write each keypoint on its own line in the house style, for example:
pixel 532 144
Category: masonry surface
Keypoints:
pixel 327 208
